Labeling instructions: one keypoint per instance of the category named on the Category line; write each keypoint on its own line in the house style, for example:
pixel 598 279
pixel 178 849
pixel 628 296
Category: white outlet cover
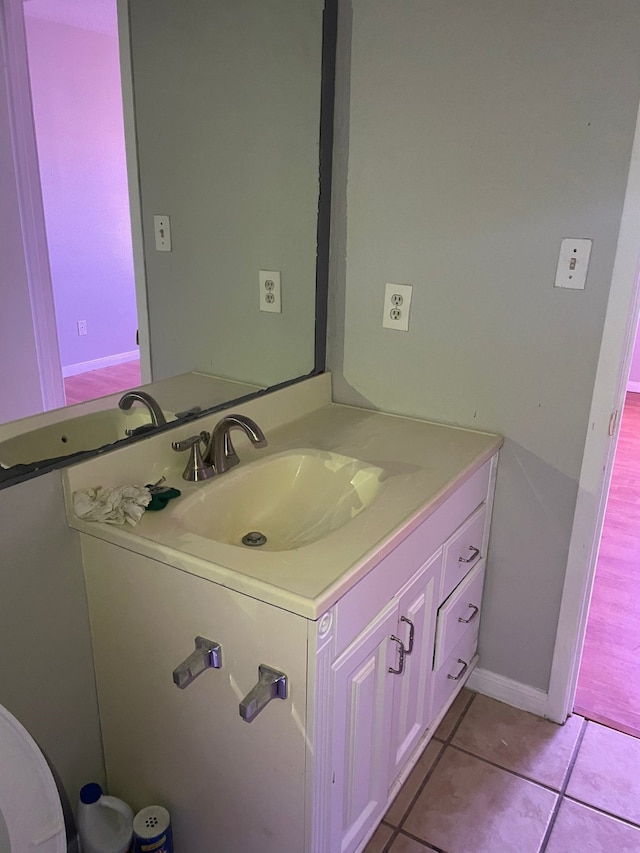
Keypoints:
pixel 270 291
pixel 397 301
pixel 573 263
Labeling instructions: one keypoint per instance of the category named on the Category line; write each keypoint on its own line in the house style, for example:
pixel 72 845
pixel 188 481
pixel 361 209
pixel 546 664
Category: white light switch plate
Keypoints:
pixel 162 229
pixel 573 263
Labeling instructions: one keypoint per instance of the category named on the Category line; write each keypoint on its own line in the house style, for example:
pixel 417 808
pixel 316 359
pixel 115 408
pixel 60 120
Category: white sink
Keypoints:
pixel 292 498
pixel 86 432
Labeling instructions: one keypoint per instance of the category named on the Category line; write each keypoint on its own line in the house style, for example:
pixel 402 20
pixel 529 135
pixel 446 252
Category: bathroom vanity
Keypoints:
pixel 373 626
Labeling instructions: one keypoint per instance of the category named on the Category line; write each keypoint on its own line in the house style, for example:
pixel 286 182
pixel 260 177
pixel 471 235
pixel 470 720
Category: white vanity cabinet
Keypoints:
pixel 229 785
pixel 381 705
pixel 382 718
pixel 368 682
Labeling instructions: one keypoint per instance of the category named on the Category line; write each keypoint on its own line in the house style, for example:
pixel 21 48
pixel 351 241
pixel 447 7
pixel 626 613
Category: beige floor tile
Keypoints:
pixel 410 788
pixel 519 741
pixel 403 844
pixel 469 806
pixel 580 828
pixel 605 774
pixel 448 724
pixel 379 839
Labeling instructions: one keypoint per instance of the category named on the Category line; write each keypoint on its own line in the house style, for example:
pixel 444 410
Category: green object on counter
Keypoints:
pixel 160 496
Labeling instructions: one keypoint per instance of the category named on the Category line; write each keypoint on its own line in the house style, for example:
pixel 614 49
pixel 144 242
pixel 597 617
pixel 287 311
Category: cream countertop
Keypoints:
pixel 423 464
pixel 175 394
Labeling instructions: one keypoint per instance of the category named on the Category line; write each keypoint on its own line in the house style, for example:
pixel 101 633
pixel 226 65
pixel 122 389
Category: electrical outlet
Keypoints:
pixel 270 292
pixel 82 327
pixel 397 301
pixel 162 229
pixel 573 263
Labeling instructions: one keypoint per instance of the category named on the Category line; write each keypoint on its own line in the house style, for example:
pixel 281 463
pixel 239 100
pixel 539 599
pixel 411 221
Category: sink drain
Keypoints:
pixel 254 537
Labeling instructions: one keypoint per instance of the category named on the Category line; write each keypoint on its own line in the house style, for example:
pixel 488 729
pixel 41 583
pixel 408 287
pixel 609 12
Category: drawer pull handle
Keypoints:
pixel 400 668
pixel 207 655
pixel 409 648
pixel 272 684
pixel 474 553
pixel 475 609
pixel 465 667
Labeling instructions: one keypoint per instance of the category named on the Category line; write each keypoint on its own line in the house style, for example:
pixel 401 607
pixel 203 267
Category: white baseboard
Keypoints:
pixel 512 692
pixel 633 386
pixel 99 363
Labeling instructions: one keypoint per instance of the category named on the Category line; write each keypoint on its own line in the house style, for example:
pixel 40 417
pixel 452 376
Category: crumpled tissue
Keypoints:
pixel 120 505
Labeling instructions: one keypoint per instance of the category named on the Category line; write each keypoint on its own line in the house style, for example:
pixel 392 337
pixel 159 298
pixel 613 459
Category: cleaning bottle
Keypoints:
pixel 105 824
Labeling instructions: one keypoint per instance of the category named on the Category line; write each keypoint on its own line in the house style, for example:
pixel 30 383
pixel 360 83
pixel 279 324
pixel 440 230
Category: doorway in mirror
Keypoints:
pixel 74 72
pixel 99 383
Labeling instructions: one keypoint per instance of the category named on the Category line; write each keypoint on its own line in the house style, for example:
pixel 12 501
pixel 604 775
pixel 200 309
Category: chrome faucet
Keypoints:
pixel 127 400
pixel 220 452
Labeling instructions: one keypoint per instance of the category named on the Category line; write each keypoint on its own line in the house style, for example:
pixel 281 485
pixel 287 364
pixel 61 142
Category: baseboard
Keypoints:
pixel 99 363
pixel 506 690
pixel 634 387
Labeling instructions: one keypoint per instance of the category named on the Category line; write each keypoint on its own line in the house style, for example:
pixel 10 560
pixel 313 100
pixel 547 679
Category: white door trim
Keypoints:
pixel 36 253
pixel 614 364
pixel 133 177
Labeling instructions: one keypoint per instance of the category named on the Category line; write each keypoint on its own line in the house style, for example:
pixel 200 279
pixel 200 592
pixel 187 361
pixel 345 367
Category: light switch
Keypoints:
pixel 573 263
pixel 162 228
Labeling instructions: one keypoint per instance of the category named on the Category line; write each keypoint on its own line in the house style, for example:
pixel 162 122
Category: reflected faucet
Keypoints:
pixel 220 452
pixel 127 400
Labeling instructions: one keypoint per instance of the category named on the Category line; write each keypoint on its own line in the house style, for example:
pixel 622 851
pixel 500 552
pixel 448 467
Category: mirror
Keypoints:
pixel 233 113
pixel 227 113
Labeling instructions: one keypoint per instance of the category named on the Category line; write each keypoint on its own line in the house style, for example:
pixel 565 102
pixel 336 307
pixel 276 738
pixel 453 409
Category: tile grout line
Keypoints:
pixel 443 746
pixel 565 783
pixel 396 829
pixel 454 730
pixel 515 773
pixel 421 841
pixel 599 810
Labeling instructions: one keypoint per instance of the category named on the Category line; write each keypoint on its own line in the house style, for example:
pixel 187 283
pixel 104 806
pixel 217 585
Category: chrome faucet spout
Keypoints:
pixel 220 451
pixel 130 397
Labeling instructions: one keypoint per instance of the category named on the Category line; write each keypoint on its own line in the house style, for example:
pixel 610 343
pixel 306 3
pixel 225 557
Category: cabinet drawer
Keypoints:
pixel 397 566
pixel 459 613
pixel 463 551
pixel 455 670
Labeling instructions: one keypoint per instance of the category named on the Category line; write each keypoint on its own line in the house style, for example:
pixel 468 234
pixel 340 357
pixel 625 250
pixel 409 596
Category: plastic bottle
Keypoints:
pixel 105 824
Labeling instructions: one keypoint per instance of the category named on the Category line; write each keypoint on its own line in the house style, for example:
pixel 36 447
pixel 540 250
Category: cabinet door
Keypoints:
pixel 230 786
pixel 363 698
pixel 413 688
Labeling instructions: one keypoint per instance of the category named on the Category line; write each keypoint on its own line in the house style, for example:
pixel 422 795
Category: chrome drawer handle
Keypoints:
pixel 207 655
pixel 400 668
pixel 465 667
pixel 272 684
pixel 474 554
pixel 475 609
pixel 409 648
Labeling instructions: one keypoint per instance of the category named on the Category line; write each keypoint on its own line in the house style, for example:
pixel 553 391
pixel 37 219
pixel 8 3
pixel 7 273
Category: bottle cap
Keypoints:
pixel 90 793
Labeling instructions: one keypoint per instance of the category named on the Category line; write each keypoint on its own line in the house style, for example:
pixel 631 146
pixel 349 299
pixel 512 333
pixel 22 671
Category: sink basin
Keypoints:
pixel 85 432
pixel 292 498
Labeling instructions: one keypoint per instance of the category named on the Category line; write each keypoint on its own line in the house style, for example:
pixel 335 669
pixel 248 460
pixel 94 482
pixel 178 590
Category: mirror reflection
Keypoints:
pixel 223 161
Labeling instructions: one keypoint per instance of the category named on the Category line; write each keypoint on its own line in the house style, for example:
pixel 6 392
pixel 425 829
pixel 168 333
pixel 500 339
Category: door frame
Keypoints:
pixel 614 363
pixel 31 212
pixel 29 191
pixel 133 181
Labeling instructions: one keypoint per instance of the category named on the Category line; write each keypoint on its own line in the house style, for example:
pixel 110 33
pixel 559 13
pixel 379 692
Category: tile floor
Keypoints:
pixel 498 780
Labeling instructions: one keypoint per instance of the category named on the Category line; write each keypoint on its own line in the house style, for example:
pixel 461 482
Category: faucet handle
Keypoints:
pixel 196 469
